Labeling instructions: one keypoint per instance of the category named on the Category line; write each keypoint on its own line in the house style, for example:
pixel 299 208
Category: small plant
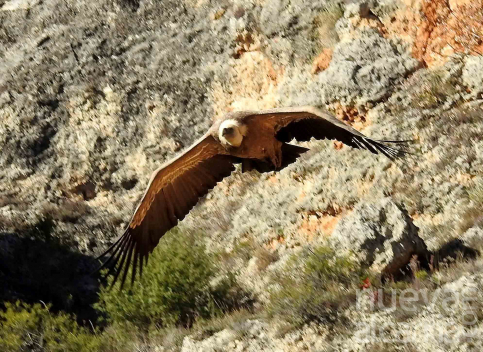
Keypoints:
pixel 476 193
pixel 265 258
pixel 471 214
pixel 314 285
pixel 435 90
pixel 244 249
pixel 421 275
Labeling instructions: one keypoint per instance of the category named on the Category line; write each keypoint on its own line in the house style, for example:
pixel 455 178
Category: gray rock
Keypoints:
pixel 4 98
pixel 363 70
pixel 473 238
pixel 290 29
pixel 472 74
pixel 281 17
pixel 214 343
pixel 380 235
pixel 13 5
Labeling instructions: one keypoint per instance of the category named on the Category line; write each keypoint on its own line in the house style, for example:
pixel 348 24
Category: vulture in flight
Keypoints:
pixel 259 140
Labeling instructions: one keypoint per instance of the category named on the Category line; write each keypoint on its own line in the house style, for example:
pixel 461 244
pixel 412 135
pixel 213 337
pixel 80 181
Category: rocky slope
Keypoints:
pixel 94 96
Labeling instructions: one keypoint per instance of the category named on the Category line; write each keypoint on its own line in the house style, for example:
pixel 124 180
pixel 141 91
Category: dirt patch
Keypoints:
pixel 323 223
pixel 350 115
pixel 322 61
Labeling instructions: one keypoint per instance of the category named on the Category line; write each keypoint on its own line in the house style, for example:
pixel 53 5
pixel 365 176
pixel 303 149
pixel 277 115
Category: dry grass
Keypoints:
pixel 433 91
pixel 234 321
pixel 265 258
pixel 324 25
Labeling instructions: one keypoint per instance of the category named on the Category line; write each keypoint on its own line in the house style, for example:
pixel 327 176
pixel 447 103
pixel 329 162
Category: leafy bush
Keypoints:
pixel 25 327
pixel 175 290
pixel 313 286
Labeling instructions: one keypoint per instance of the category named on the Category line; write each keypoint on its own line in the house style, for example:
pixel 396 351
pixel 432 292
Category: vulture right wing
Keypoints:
pixel 304 123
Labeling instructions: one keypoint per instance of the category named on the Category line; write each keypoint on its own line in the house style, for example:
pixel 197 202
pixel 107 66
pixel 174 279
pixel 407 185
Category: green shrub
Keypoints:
pixel 25 327
pixel 313 286
pixel 175 290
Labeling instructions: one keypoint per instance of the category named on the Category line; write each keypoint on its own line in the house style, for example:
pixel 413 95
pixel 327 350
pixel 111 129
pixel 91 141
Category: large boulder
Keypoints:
pixel 472 74
pixel 473 238
pixel 381 236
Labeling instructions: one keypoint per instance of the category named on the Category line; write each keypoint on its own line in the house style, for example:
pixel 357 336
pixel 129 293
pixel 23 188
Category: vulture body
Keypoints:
pixel 256 139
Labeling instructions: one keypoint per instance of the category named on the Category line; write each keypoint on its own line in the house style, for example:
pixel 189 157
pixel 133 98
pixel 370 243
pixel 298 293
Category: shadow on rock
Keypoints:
pixel 35 266
pixel 453 250
pixel 447 254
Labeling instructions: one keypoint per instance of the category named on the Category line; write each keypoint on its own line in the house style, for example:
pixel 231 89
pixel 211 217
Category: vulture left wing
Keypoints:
pixel 172 192
pixel 304 123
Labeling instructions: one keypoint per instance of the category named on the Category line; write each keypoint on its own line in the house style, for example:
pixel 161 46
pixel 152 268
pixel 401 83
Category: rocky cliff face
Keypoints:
pixel 95 96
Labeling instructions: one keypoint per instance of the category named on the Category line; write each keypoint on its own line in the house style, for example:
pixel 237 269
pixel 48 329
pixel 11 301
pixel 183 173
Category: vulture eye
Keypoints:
pixel 226 131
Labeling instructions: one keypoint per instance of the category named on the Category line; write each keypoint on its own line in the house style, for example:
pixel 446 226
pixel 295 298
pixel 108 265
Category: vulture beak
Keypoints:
pixel 226 131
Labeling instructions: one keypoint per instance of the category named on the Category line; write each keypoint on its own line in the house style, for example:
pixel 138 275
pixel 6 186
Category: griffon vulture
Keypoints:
pixel 256 139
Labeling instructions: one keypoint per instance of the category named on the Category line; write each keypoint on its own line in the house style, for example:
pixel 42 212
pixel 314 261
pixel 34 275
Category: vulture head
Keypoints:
pixel 231 132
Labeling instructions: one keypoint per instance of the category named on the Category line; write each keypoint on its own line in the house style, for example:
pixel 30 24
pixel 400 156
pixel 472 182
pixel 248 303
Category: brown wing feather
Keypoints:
pixel 172 192
pixel 304 123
